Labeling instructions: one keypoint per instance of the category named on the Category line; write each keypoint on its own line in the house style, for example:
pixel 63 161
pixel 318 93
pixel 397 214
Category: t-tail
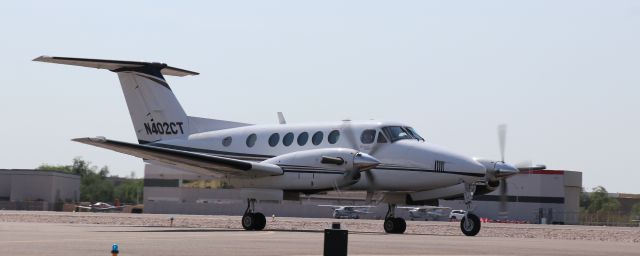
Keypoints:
pixel 155 111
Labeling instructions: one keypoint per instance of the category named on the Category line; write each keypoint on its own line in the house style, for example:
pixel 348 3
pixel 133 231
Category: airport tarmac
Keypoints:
pixel 66 238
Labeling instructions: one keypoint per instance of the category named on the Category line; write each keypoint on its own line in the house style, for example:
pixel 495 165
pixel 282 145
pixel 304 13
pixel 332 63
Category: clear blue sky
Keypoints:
pixel 564 75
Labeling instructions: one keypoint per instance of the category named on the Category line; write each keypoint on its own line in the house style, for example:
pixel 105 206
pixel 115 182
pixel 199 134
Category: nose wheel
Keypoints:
pixel 470 223
pixel 252 220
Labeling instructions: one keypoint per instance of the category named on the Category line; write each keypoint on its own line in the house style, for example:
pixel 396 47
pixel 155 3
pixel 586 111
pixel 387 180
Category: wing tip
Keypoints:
pixel 98 139
pixel 42 58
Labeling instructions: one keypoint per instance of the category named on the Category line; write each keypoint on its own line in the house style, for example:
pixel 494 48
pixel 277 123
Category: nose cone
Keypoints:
pixel 505 170
pixel 364 162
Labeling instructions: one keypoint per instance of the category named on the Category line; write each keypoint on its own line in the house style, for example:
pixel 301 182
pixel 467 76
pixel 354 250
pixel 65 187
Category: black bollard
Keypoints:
pixel 335 240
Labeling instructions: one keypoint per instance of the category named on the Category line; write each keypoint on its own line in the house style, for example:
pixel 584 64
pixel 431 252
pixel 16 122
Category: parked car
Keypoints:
pixel 457 214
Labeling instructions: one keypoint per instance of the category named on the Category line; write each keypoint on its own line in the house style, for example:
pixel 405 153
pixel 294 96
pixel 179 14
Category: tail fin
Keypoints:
pixel 155 112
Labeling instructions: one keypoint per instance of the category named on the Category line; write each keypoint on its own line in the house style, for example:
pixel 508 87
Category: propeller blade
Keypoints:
pixel 503 197
pixel 371 182
pixel 374 148
pixel 348 134
pixel 502 139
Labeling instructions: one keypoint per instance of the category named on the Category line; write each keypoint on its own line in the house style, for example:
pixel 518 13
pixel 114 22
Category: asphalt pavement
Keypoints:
pixel 87 239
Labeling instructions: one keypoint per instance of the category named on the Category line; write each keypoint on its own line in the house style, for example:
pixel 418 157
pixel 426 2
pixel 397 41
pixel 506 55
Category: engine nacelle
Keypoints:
pixel 347 162
pixel 487 188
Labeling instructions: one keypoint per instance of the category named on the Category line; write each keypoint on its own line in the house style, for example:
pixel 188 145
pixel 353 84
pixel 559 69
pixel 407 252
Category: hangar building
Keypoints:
pixel 544 196
pixel 549 195
pixel 37 190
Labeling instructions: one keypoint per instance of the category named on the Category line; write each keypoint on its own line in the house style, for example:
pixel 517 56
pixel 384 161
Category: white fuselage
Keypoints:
pixel 406 164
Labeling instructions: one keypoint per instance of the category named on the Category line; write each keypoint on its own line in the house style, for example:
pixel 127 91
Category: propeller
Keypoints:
pixel 499 171
pixel 347 130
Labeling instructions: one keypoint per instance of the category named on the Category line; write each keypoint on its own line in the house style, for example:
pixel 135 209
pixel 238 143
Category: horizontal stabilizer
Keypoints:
pixel 115 65
pixel 189 161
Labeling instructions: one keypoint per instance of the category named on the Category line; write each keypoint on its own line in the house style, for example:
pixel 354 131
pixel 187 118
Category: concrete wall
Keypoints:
pixel 5 186
pixel 31 185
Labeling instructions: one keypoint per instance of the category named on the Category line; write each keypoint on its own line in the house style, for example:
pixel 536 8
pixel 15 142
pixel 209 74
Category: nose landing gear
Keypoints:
pixel 470 223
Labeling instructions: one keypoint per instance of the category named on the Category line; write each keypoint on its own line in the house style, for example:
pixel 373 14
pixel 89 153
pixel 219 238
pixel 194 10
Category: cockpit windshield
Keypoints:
pixel 396 133
pixel 414 133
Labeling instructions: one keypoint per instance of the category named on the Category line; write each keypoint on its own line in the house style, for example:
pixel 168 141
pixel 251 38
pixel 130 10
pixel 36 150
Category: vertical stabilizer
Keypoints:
pixel 155 111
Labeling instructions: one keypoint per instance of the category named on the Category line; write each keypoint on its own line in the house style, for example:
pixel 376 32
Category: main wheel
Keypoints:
pixel 395 225
pixel 401 225
pixel 260 221
pixel 248 221
pixel 390 225
pixel 470 224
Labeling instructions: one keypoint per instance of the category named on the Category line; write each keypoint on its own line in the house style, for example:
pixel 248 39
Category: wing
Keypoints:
pixel 189 161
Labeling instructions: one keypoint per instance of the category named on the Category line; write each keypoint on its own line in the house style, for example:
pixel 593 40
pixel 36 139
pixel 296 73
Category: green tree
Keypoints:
pixel 635 212
pixel 94 185
pixel 129 192
pixel 600 202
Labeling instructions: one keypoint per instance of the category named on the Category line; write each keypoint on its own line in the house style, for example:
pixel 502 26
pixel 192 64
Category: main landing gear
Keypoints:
pixel 470 223
pixel 392 224
pixel 252 220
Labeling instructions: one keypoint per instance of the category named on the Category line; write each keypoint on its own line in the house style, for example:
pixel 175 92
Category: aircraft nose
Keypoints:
pixel 364 162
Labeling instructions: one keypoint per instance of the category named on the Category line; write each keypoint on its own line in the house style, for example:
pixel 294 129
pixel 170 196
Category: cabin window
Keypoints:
pixel 288 139
pixel 368 136
pixel 334 136
pixel 273 139
pixel 226 141
pixel 317 138
pixel 303 138
pixel 251 140
pixel 381 138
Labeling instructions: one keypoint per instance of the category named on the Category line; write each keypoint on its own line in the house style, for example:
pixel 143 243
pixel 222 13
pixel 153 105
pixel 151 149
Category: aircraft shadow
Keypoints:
pixel 213 230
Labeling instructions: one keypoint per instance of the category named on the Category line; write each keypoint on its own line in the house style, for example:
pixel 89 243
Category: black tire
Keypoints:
pixel 401 225
pixel 248 221
pixel 260 221
pixel 470 224
pixel 390 225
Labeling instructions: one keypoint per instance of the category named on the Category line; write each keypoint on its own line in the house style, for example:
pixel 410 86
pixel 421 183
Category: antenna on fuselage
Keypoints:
pixel 281 119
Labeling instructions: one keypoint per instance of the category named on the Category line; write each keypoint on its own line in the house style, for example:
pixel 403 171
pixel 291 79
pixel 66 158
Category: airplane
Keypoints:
pixel 426 212
pixel 100 207
pixel 348 211
pixel 277 161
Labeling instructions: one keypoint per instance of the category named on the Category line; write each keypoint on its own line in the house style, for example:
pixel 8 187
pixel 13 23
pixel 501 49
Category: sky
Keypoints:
pixel 563 75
